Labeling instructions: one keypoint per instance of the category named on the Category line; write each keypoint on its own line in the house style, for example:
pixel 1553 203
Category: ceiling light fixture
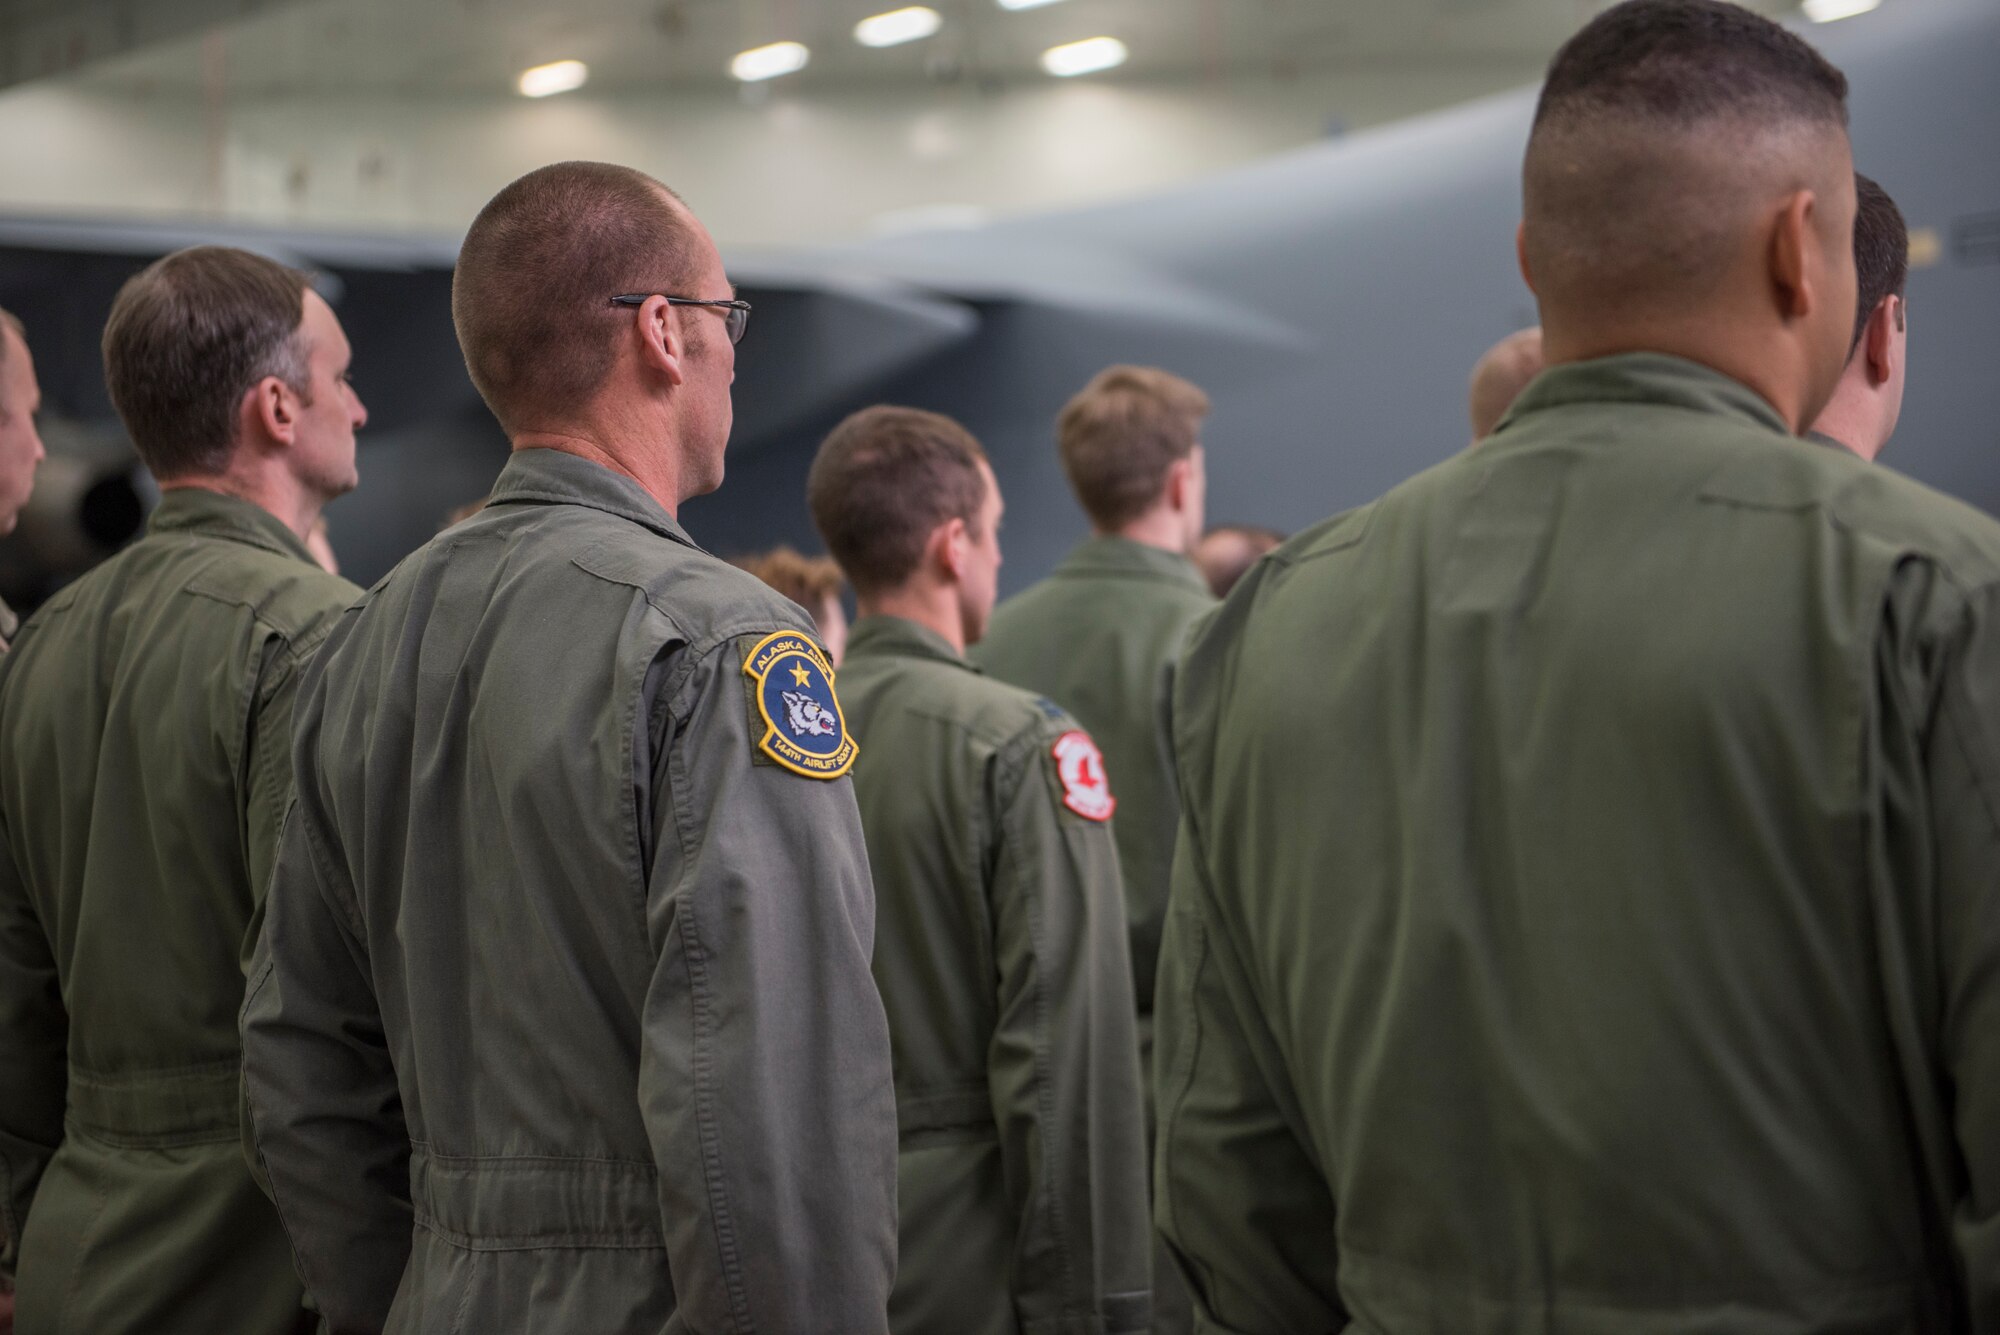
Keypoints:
pixel 1826 11
pixel 560 76
pixel 1085 57
pixel 1025 4
pixel 898 26
pixel 769 62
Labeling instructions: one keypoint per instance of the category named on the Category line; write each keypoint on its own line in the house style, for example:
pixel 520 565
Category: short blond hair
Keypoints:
pixel 1121 433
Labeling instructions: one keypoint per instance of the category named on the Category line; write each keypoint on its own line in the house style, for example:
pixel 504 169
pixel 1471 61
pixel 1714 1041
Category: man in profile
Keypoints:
pixel 145 766
pixel 1585 915
pixel 20 453
pixel 1000 940
pixel 1861 416
pixel 562 1019
pixel 1227 551
pixel 1507 368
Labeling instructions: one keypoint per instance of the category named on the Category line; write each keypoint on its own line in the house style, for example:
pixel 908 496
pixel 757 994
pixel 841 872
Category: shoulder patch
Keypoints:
pixel 792 684
pixel 1080 767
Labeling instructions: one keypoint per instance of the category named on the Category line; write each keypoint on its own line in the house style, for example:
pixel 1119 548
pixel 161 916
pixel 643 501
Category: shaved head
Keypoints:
pixel 1665 131
pixel 1501 375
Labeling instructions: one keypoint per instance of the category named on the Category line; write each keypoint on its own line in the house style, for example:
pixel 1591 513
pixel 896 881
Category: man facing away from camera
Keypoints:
pixel 1866 404
pixel 562 1018
pixel 145 767
pixel 1000 942
pixel 1585 914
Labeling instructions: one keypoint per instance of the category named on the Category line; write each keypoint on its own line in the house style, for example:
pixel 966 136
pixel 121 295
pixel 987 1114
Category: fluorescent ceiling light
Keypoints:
pixel 1024 4
pixel 897 26
pixel 1826 11
pixel 768 62
pixel 1085 57
pixel 546 80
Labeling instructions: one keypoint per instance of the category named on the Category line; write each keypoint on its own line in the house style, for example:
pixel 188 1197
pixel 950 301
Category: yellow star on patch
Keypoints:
pixel 801 676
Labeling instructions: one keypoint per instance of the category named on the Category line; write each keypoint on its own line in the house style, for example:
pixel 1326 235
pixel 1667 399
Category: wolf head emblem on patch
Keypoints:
pixel 792 685
pixel 806 718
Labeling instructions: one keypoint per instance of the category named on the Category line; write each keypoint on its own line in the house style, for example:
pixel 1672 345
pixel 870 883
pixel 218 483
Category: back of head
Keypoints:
pixel 1664 131
pixel 1120 434
pixel 531 294
pixel 188 336
pixel 1499 377
pixel 882 483
pixel 1227 551
pixel 809 581
pixel 1881 250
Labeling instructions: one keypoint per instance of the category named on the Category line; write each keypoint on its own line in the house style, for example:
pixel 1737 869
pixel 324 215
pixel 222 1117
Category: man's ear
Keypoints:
pixel 662 346
pixel 1794 247
pixel 270 409
pixel 1180 479
pixel 946 547
pixel 1521 254
pixel 1878 339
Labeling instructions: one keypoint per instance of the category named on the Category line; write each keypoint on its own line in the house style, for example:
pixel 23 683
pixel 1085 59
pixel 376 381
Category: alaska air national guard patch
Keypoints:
pixel 1080 766
pixel 804 730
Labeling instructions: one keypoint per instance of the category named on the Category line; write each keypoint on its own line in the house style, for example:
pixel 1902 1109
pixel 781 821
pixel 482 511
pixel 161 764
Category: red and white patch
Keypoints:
pixel 1080 766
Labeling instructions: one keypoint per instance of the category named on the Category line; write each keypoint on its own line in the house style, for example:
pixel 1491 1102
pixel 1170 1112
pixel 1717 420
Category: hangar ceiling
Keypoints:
pixel 638 46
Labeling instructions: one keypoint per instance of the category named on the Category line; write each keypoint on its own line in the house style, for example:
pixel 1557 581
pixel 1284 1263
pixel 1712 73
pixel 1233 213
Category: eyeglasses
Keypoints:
pixel 737 313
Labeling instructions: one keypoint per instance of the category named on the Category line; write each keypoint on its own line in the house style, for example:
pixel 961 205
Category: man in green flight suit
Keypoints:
pixel 1586 916
pixel 145 766
pixel 1862 413
pixel 1099 636
pixel 1000 943
pixel 20 452
pixel 562 1017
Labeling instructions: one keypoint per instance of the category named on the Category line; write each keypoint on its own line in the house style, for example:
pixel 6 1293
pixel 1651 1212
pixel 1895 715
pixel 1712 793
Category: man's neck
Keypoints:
pixel 1851 416
pixel 644 456
pixel 1159 527
pixel 933 607
pixel 1760 363
pixel 275 492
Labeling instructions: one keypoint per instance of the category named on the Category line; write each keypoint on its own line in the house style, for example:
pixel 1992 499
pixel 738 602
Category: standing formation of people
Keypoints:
pixel 1562 895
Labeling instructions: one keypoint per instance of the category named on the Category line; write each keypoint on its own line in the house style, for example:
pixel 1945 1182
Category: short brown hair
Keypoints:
pixel 809 581
pixel 1881 250
pixel 189 336
pixel 1121 433
pixel 531 294
pixel 882 483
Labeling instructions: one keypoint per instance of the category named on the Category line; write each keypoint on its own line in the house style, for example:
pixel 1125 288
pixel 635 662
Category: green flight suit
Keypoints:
pixel 1587 916
pixel 9 624
pixel 562 1017
pixel 1099 636
pixel 1000 952
pixel 145 764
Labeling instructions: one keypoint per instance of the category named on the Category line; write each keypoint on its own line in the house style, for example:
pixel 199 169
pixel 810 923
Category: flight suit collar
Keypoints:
pixel 215 515
pixel 1123 558
pixel 896 637
pixel 1645 377
pixel 555 477
pixel 9 623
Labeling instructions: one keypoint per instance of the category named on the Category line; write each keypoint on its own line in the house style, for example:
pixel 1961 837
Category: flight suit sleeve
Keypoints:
pixel 268 793
pixel 764 1066
pixel 1063 1065
pixel 1243 1208
pixel 1963 761
pixel 34 1066
pixel 326 1113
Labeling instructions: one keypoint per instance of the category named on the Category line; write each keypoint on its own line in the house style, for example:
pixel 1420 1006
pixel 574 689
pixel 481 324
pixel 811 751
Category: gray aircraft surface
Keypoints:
pixel 1331 300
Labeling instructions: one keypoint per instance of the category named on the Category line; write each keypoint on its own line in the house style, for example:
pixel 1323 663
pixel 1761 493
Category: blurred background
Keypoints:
pixel 1305 206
